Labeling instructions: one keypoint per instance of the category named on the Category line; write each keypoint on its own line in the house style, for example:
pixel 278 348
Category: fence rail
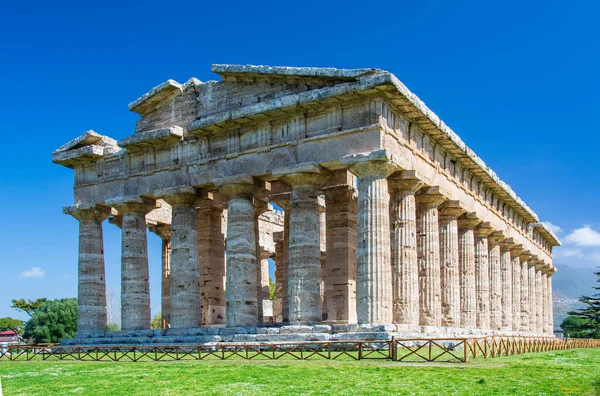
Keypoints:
pixel 450 350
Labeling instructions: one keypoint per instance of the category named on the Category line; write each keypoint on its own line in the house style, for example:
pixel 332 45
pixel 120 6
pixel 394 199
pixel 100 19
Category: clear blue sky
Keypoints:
pixel 517 80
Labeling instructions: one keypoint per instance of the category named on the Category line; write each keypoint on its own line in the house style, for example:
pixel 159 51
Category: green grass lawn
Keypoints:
pixel 571 372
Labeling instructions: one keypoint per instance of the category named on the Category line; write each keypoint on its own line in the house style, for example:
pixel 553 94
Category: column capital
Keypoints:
pixel 377 164
pixel 451 209
pixel 468 221
pixel 340 179
pixel 525 255
pixel 496 237
pixel 431 197
pixel 547 269
pixel 483 230
pixel 539 264
pixel 162 230
pixel 82 212
pixel 239 186
pixel 302 175
pixel 178 196
pixel 132 204
pixel 507 244
pixel 516 250
pixel 410 181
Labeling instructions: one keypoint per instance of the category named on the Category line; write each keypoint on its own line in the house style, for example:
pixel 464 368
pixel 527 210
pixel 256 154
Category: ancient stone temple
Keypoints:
pixel 378 217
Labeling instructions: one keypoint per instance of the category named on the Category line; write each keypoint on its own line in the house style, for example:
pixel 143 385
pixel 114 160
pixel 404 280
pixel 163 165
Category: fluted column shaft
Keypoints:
pixel 135 288
pixel 482 274
pixel 405 267
pixel 91 288
pixel 185 268
pixel 428 253
pixel 449 259
pixel 466 257
pixel 516 288
pixel 373 264
pixel 211 252
pixel 241 265
pixel 550 303
pixel 340 265
pixel 525 306
pixel 533 301
pixel 506 275
pixel 495 281
pixel 545 323
pixel 304 251
pixel 539 297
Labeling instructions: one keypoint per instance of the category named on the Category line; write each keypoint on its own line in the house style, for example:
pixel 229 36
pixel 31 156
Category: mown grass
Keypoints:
pixel 571 372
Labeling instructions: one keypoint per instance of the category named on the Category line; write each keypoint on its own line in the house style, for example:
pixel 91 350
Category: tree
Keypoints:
pixel 156 323
pixel 575 327
pixel 589 314
pixel 53 321
pixel 10 324
pixel 272 288
pixel 29 307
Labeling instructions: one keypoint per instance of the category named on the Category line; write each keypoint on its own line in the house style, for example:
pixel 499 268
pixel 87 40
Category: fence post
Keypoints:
pixel 394 349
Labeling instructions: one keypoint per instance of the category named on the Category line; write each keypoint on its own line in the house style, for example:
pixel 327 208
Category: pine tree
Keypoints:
pixel 590 313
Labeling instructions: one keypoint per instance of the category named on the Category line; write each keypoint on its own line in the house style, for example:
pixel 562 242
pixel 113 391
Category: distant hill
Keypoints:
pixel 568 285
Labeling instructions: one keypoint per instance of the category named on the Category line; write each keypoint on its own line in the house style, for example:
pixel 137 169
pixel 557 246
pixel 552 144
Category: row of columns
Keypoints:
pixel 400 252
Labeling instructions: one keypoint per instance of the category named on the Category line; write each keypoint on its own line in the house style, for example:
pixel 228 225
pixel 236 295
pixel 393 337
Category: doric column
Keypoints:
pixel 533 300
pixel 304 251
pixel 525 306
pixel 340 261
pixel 373 264
pixel 539 297
pixel 428 254
pixel 185 271
pixel 495 280
pixel 449 259
pixel 135 288
pixel 544 280
pixel 91 288
pixel 211 252
pixel 516 286
pixel 550 302
pixel 506 274
pixel 466 257
pixel 405 266
pixel 242 266
pixel 482 275
pixel 164 232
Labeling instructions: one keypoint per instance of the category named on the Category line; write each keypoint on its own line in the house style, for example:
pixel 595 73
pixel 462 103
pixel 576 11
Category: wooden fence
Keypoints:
pixel 450 350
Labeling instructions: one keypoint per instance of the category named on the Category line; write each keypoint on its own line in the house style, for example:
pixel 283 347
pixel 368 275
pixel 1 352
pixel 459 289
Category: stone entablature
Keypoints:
pixel 283 135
